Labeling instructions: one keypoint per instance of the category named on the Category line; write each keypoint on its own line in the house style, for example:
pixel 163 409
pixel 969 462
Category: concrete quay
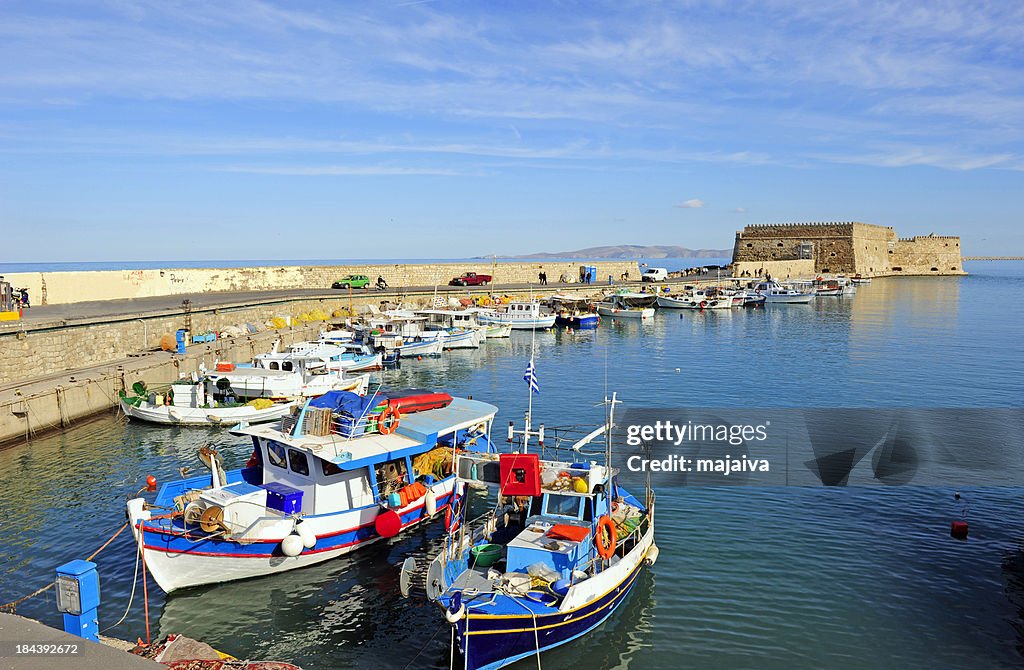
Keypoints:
pixel 15 630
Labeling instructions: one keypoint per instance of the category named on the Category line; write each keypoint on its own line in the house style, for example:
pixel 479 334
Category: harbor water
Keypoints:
pixel 783 577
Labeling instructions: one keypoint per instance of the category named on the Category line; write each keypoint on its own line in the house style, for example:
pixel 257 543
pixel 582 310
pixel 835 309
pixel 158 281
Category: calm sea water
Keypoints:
pixel 748 577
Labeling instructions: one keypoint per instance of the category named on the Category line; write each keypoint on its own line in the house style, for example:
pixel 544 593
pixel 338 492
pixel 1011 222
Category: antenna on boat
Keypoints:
pixel 614 400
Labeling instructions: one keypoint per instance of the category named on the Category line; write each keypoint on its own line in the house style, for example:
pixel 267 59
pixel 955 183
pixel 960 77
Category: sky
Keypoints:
pixel 170 130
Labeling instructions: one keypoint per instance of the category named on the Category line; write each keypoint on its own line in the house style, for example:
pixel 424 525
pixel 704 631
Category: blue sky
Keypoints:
pixel 171 130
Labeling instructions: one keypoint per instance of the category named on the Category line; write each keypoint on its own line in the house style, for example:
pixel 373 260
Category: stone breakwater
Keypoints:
pixel 51 288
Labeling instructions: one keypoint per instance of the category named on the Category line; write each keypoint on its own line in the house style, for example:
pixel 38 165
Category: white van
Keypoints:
pixel 654 274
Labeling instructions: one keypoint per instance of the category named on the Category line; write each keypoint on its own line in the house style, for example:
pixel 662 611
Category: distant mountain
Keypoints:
pixel 633 251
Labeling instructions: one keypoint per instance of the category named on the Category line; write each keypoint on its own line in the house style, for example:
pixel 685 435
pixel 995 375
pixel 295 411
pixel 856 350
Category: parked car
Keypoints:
pixel 470 279
pixel 352 281
pixel 654 274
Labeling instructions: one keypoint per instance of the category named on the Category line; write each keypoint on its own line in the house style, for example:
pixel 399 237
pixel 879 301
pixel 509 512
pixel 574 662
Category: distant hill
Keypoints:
pixel 632 251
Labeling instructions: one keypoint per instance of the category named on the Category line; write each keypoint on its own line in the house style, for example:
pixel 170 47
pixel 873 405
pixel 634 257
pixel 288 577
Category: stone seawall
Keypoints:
pixel 48 405
pixel 50 288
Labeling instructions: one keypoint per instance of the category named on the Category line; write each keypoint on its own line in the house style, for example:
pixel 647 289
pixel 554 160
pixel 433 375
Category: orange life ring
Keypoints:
pixel 388 420
pixel 606 541
pixel 703 304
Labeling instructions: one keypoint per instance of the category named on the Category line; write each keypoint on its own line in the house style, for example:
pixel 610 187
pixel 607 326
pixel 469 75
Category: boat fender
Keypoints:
pixel 306 533
pixel 388 524
pixel 291 545
pixel 652 555
pixel 453 617
pixel 430 502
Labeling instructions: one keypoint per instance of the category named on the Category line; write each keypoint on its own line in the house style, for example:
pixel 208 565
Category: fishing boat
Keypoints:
pixel 554 558
pixel 491 330
pixel 403 333
pixel 860 279
pixel 628 305
pixel 462 327
pixel 338 355
pixel 573 312
pixel 697 299
pixel 343 472
pixel 827 287
pixel 518 315
pixel 776 294
pixel 198 402
pixel 297 376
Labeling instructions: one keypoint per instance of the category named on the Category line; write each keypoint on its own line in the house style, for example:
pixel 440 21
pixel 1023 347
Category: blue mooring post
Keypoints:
pixel 78 597
pixel 180 339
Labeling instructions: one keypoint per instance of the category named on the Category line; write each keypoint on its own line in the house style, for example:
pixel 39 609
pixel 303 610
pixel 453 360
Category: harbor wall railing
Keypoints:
pixel 50 288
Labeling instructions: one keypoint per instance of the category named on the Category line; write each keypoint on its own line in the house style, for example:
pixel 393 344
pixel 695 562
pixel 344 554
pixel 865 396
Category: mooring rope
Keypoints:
pixel 13 605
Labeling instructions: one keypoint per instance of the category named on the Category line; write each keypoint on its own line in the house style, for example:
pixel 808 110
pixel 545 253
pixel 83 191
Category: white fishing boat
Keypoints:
pixel 462 327
pixel 198 403
pixel 828 287
pixel 628 305
pixel 345 472
pixel 518 315
pixel 776 294
pixel 338 355
pixel 858 279
pixel 295 377
pixel 697 299
pixel 402 332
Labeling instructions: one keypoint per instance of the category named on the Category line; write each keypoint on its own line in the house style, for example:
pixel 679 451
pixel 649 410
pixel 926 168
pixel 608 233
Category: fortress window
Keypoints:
pixel 779 244
pixel 897 269
pixel 749 245
pixel 953 268
pixel 832 254
pixel 935 269
pixel 826 270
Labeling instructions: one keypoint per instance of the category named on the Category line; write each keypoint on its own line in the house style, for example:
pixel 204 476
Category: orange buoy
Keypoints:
pixel 958 530
pixel 151 482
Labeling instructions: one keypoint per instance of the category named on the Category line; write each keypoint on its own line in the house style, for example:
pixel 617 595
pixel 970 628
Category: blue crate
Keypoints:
pixel 283 498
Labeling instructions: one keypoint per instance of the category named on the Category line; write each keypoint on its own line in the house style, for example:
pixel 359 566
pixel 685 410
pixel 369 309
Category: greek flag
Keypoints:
pixel 531 377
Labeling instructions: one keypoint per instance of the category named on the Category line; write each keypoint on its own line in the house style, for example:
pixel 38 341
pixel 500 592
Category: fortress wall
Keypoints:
pixel 68 287
pixel 932 255
pixel 847 248
pixel 795 269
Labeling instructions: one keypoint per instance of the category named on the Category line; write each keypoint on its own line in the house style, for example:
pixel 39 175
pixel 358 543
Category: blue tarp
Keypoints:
pixel 346 402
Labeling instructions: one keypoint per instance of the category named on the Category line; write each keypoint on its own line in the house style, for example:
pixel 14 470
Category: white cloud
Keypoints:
pixel 740 210
pixel 693 203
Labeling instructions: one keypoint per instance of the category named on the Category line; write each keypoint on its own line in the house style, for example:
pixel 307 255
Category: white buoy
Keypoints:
pixel 652 555
pixel 307 535
pixel 430 502
pixel 291 545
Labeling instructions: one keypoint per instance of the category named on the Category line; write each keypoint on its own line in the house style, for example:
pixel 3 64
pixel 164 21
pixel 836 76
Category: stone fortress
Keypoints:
pixel 807 249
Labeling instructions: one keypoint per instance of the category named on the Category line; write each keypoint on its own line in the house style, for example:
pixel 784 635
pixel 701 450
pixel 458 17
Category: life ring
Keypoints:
pixel 388 420
pixel 606 542
pixel 703 304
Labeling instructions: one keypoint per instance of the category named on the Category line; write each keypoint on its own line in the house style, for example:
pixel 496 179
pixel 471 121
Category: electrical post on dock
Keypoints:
pixel 78 598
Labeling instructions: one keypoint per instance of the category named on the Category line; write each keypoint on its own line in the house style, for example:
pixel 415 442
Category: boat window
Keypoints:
pixel 560 505
pixel 273 366
pixel 329 469
pixel 276 455
pixel 286 366
pixel 391 476
pixel 298 462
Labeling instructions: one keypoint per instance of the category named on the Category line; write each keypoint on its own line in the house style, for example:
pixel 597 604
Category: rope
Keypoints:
pixel 135 581
pixel 424 647
pixel 13 605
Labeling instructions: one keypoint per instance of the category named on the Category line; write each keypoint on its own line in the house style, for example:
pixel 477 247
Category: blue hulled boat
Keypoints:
pixel 556 556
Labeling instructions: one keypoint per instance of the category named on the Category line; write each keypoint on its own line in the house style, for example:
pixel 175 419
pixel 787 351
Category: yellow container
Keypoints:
pixel 9 316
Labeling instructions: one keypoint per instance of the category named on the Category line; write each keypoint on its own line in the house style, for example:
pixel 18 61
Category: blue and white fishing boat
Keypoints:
pixel 344 472
pixel 403 333
pixel 550 562
pixel 574 313
pixel 338 356
pixel 518 315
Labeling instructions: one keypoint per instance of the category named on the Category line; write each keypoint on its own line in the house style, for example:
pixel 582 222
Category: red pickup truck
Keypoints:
pixel 470 279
